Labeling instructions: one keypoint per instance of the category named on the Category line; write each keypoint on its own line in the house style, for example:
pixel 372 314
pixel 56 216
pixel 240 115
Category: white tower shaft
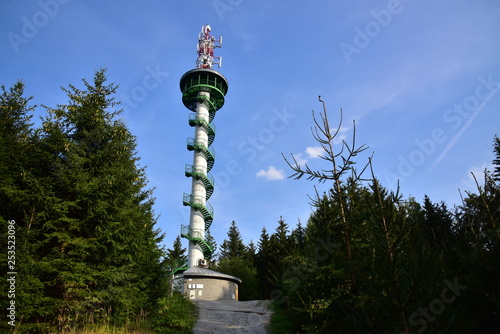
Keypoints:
pixel 197 222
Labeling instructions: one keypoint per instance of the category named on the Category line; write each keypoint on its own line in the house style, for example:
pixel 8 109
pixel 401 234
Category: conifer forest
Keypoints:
pixel 81 249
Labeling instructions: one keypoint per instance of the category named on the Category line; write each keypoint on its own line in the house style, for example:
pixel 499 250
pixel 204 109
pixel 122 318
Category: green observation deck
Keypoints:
pixel 203 80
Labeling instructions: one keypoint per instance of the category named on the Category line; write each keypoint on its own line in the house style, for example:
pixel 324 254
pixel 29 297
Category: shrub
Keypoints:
pixel 174 314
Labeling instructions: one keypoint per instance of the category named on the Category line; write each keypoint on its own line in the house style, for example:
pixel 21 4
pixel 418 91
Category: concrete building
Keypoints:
pixel 206 284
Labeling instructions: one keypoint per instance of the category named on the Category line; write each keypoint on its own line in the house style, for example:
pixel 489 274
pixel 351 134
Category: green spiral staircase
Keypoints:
pixel 192 83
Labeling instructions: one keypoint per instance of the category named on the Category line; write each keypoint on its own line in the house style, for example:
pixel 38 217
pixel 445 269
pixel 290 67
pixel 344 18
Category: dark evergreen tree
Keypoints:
pixel 438 223
pixel 15 134
pixel 236 260
pixel 298 239
pixel 241 268
pixel 263 243
pixel 23 200
pixel 367 266
pixel 104 230
pixel 279 247
pixel 280 238
pixel 496 161
pixel 250 253
pixel 263 262
pixel 213 244
pixel 176 257
pixel 233 246
pixel 86 225
pixel 177 252
pixel 478 252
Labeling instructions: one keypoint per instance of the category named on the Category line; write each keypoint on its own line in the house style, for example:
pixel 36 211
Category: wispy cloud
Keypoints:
pixel 314 151
pixel 271 173
pixel 340 137
pixel 301 161
pixel 476 173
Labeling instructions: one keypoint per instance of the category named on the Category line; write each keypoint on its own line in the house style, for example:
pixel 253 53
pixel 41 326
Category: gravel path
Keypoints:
pixel 232 317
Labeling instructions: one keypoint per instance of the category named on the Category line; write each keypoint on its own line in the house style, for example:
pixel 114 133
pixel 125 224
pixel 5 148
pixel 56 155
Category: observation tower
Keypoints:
pixel 203 90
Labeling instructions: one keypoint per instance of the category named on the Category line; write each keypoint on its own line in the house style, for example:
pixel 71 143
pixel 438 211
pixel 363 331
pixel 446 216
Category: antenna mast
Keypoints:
pixel 205 48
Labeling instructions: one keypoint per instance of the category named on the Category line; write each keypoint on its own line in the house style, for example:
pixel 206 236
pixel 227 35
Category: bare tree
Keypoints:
pixel 342 162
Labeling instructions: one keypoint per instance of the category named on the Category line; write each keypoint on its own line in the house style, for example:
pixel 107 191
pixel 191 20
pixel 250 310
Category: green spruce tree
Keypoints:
pixel 23 202
pixel 86 223
pixel 233 246
pixel 235 260
pixel 496 161
pixel 263 262
pixel 176 257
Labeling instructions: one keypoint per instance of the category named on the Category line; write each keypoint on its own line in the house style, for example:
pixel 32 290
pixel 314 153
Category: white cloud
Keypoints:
pixel 340 135
pixel 314 152
pixel 478 172
pixel 339 139
pixel 271 173
pixel 301 161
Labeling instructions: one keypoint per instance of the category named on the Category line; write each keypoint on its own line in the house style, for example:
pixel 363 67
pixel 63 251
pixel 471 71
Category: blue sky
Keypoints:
pixel 421 79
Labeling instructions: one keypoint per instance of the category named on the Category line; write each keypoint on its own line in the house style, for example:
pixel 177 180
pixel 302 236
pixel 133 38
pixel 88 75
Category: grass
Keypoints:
pixel 173 314
pixel 111 329
pixel 139 326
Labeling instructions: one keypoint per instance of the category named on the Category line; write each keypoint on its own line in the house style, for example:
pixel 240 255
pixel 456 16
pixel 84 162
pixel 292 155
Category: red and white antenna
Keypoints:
pixel 205 49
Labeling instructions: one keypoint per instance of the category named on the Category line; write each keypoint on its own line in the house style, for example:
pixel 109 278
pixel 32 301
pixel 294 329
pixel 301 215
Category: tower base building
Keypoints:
pixel 201 283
